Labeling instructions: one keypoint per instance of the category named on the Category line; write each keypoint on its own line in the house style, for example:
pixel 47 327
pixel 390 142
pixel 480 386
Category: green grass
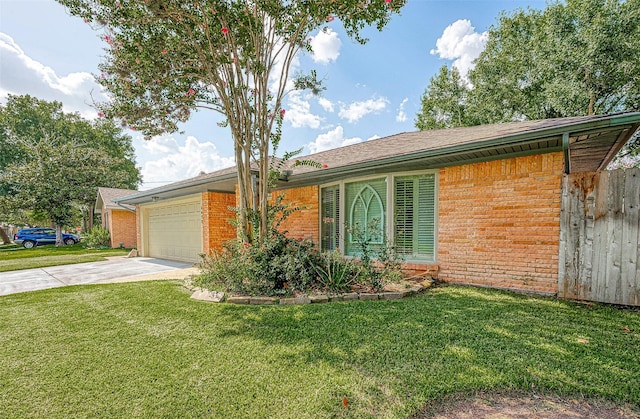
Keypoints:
pixel 147 350
pixel 13 257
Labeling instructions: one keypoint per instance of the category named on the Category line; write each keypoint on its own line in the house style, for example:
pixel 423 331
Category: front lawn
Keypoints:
pixel 13 258
pixel 147 350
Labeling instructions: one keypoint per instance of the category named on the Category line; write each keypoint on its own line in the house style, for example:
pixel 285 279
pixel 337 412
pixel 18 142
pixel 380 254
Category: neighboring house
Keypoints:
pixel 478 205
pixel 118 219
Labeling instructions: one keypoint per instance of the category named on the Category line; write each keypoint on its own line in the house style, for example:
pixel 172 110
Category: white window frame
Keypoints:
pixel 389 215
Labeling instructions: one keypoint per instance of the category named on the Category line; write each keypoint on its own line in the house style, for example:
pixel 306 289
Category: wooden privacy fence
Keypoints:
pixel 599 237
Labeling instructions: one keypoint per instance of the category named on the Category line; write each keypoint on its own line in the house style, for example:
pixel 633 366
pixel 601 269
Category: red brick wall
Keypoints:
pixel 216 228
pixel 499 223
pixel 122 227
pixel 305 222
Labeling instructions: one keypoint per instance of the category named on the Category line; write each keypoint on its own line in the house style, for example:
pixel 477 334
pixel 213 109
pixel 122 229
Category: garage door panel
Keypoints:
pixel 175 231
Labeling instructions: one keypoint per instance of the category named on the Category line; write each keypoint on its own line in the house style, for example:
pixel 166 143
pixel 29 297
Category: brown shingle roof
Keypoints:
pixel 108 195
pixel 593 141
pixel 411 143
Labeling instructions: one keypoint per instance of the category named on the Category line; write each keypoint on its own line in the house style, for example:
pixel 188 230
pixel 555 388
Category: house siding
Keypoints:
pixel 215 220
pixel 122 226
pixel 304 223
pixel 499 223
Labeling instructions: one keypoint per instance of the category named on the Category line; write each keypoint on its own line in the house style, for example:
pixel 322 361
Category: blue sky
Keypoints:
pixel 373 90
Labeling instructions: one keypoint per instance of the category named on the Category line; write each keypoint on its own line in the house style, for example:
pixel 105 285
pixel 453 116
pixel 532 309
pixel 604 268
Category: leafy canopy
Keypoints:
pixel 166 58
pixel 579 57
pixel 53 162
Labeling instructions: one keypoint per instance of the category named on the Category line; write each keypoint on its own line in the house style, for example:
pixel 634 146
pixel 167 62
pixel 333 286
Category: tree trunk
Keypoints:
pixel 90 217
pixel 5 238
pixel 264 191
pixel 59 241
pixel 245 191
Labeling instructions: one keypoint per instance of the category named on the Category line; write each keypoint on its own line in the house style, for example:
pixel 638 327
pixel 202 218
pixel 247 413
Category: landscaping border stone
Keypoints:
pixel 263 300
pixel 238 300
pixel 213 296
pixel 295 300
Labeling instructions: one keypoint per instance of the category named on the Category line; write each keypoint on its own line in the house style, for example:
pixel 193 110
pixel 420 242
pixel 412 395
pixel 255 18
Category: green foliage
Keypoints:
pixel 444 102
pixel 579 57
pixel 277 213
pixel 380 263
pixel 58 160
pixel 335 273
pixel 97 237
pixel 276 265
pixel 166 59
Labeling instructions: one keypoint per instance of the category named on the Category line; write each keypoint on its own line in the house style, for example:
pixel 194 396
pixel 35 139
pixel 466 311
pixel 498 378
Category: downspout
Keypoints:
pixel 565 150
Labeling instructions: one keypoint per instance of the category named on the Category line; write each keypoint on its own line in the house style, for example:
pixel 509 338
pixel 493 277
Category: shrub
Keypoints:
pixel 96 237
pixel 274 266
pixel 336 273
pixel 380 263
pixel 278 265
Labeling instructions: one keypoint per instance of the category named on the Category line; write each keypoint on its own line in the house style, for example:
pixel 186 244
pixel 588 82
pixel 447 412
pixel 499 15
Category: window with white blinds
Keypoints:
pixel 330 218
pixel 408 220
pixel 414 216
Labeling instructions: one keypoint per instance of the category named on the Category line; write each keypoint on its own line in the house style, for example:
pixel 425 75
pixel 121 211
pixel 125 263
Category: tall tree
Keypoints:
pixel 105 136
pixel 444 102
pixel 578 57
pixel 58 160
pixel 166 58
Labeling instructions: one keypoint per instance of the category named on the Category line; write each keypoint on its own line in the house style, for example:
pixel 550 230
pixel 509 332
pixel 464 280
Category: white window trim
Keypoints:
pixel 389 228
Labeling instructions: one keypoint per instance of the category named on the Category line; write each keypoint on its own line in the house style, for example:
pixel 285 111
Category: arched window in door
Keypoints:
pixel 366 203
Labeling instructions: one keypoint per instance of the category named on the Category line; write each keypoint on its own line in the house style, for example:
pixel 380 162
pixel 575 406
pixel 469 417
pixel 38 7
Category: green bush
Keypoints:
pixel 97 237
pixel 336 273
pixel 278 265
pixel 275 266
pixel 281 266
pixel 380 263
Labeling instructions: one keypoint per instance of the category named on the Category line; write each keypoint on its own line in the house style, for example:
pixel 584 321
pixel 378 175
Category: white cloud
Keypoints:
pixel 356 110
pixel 326 46
pixel 274 76
pixel 332 139
pixel 460 42
pixel 23 75
pixel 402 116
pixel 164 160
pixel 326 104
pixel 299 112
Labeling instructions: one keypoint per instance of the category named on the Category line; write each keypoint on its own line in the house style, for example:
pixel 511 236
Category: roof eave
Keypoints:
pixel 166 191
pixel 468 153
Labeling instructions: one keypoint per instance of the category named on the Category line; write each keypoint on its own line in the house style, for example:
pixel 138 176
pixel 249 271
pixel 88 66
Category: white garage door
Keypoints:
pixel 175 230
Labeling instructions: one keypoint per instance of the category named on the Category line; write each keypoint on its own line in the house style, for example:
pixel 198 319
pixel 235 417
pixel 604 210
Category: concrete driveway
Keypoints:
pixel 114 269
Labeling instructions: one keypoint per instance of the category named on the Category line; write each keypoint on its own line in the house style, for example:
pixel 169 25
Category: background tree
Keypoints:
pixel 167 58
pixel 115 169
pixel 444 102
pixel 58 160
pixel 579 57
